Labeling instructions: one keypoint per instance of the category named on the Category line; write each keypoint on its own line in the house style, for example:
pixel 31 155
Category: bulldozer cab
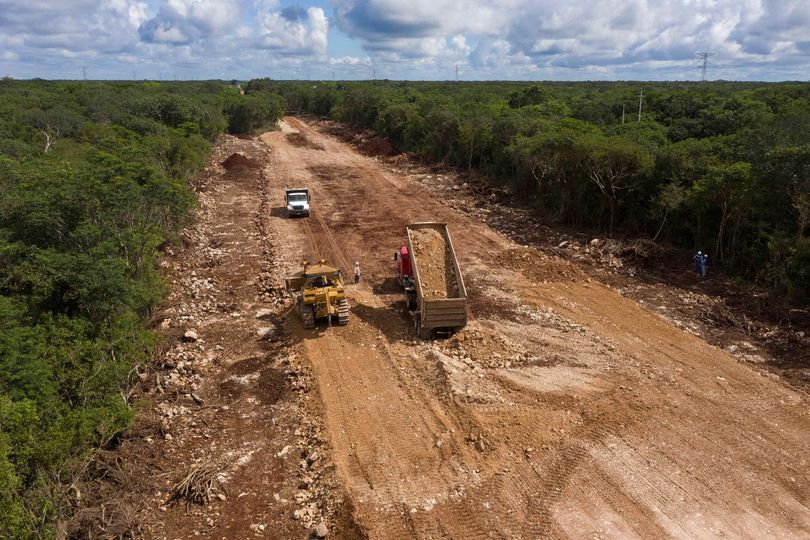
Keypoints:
pixel 320 293
pixel 315 276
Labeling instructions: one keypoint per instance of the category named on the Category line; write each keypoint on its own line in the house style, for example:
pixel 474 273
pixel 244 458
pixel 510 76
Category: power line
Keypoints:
pixel 705 56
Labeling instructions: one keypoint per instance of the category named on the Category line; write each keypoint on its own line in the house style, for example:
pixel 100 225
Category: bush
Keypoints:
pixel 80 230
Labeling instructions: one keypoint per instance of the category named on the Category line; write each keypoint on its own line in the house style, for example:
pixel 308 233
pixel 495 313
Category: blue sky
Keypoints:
pixel 405 39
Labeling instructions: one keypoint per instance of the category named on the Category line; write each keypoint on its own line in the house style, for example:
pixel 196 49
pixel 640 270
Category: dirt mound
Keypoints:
pixel 486 349
pixel 302 141
pixel 538 267
pixel 236 162
pixel 435 264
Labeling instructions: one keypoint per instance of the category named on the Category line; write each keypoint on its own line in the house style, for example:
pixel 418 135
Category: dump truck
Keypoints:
pixel 319 294
pixel 440 299
pixel 297 200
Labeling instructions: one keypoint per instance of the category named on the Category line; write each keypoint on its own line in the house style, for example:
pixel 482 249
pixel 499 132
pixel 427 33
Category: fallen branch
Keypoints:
pixel 197 484
pixel 720 315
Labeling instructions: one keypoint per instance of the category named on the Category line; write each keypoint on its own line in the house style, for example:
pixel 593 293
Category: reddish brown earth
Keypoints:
pixel 564 409
pixel 435 260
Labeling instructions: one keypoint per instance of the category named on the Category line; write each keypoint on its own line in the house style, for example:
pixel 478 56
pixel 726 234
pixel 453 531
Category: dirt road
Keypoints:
pixel 563 410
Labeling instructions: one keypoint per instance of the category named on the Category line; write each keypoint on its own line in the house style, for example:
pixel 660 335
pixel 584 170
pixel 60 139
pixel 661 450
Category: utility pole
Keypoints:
pixel 84 73
pixel 622 113
pixel 705 56
pixel 456 72
pixel 640 100
pixel 374 74
pixel 333 75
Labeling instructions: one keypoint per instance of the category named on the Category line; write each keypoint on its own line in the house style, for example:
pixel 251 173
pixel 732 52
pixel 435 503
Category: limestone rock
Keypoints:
pixel 321 530
pixel 266 332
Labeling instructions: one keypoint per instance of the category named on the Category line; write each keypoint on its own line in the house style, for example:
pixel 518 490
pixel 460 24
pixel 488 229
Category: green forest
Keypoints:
pixel 95 179
pixel 723 167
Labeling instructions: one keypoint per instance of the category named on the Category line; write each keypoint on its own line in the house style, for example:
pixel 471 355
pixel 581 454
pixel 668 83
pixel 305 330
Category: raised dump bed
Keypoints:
pixel 440 294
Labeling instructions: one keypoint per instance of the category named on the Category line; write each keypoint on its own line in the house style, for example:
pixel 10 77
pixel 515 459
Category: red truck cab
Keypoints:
pixel 403 263
pixel 404 274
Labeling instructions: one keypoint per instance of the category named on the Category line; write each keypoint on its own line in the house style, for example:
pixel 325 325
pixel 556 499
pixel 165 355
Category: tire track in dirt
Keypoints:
pixel 368 402
pixel 383 471
pixel 710 457
pixel 322 243
pixel 624 432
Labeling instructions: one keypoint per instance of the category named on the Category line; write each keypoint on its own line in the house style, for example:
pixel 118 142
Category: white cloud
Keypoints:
pixel 350 61
pixel 581 34
pixel 294 30
pixel 106 26
pixel 766 39
pixel 458 43
pixel 184 21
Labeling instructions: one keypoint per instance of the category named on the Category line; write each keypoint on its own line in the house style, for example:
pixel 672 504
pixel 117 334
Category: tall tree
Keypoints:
pixel 614 165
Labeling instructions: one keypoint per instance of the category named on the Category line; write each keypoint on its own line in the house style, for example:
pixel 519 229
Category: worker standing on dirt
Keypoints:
pixel 697 260
pixel 356 272
pixel 704 265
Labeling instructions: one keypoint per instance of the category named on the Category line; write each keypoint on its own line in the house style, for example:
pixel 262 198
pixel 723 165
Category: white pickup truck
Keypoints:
pixel 297 201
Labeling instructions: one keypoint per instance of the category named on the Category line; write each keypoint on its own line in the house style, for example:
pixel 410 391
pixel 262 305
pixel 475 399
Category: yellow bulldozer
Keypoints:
pixel 320 294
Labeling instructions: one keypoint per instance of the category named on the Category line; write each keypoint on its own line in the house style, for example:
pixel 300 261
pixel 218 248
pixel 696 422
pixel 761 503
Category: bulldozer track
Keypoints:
pixel 343 312
pixel 658 435
pixel 322 242
pixel 307 316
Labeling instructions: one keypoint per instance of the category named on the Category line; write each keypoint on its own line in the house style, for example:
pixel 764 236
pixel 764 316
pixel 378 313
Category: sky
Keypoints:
pixel 765 40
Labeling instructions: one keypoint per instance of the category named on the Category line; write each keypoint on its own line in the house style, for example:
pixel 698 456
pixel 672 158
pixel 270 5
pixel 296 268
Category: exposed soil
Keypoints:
pixel 237 162
pixel 228 396
pixel 772 336
pixel 565 408
pixel 300 140
pixel 435 263
pixel 539 267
